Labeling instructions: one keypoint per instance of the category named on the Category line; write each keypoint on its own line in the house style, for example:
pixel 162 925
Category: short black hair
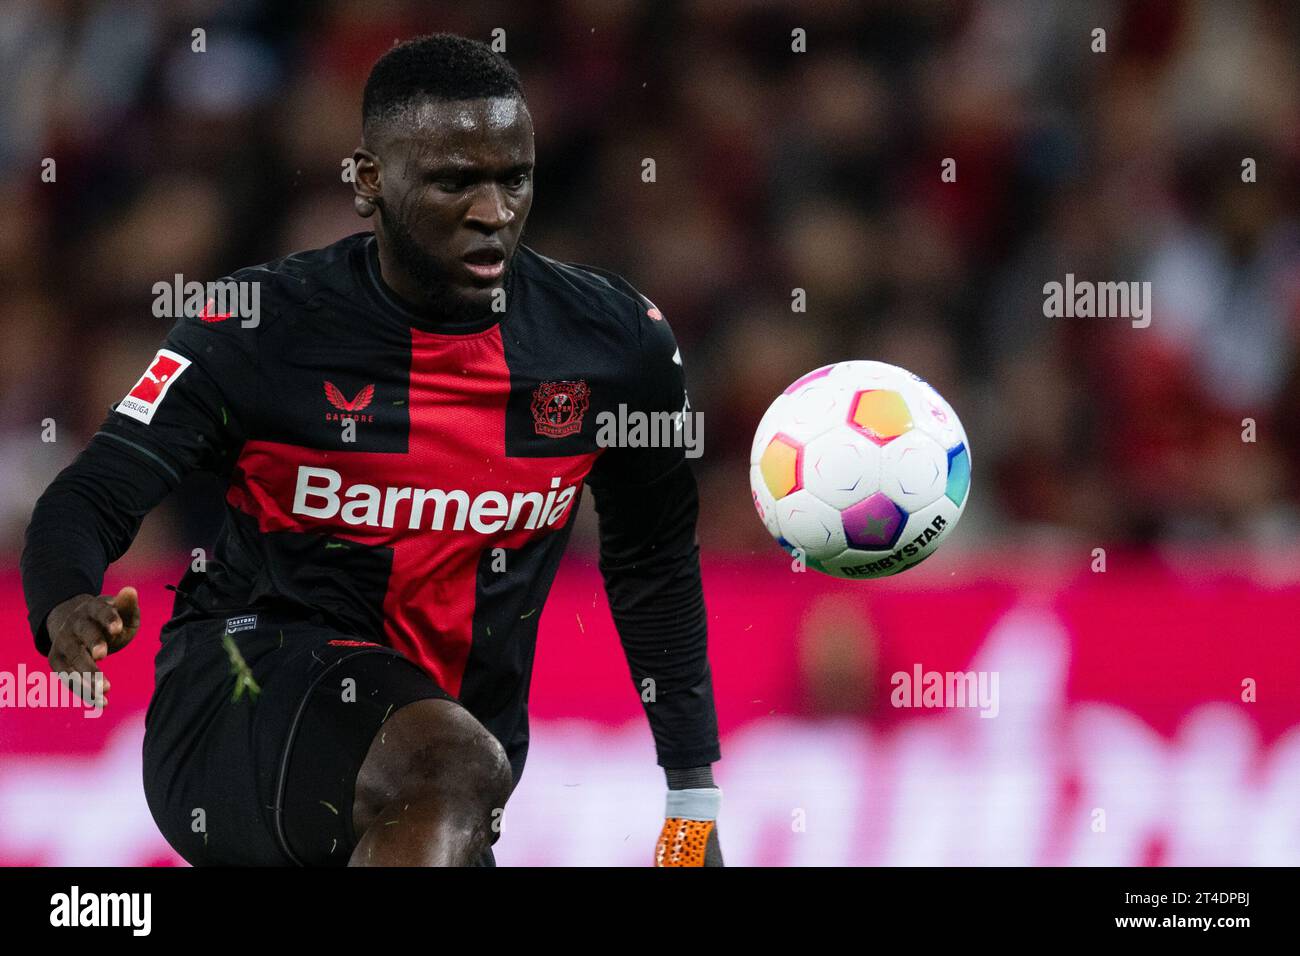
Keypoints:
pixel 442 66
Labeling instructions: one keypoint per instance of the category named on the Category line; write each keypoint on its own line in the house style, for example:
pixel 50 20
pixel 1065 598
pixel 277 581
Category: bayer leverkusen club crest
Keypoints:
pixel 558 408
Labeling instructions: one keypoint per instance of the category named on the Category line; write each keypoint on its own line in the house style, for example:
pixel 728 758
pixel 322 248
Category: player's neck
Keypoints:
pixel 422 307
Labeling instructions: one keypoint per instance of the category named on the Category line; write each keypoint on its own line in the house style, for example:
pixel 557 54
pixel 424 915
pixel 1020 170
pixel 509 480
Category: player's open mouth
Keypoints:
pixel 485 264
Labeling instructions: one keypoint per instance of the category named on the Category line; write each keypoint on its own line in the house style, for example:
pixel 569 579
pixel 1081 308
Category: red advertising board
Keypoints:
pixel 1017 712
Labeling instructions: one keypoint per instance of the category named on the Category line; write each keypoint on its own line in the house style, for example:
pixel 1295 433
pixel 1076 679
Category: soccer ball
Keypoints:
pixel 862 467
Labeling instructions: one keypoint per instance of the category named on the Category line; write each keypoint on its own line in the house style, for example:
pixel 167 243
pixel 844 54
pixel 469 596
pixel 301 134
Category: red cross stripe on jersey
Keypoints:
pixel 459 387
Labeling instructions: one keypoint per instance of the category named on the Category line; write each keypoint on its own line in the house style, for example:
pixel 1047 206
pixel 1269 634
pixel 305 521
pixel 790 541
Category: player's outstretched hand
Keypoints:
pixel 83 631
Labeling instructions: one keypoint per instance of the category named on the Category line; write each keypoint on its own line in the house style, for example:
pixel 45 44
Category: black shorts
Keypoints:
pixel 267 778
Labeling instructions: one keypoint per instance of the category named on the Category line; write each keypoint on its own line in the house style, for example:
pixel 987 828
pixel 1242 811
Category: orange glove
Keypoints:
pixel 690 832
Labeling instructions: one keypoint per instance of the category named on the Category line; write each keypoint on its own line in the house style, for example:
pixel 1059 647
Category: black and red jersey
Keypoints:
pixel 408 482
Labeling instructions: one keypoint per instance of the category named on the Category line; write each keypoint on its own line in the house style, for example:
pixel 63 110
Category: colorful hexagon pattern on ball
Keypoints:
pixel 958 475
pixel 860 470
pixel 880 414
pixel 779 465
pixel 873 524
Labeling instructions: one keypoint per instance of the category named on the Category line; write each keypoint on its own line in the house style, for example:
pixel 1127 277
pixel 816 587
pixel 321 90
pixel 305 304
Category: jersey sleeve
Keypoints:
pixel 188 410
pixel 647 505
pixel 656 387
pixel 184 414
pixel 650 561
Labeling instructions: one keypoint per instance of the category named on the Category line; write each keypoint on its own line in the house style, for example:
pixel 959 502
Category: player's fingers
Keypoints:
pixel 71 669
pixel 103 613
pixel 80 655
pixel 87 630
pixel 127 598
pixel 127 605
pixel 78 659
pixel 79 673
pixel 58 660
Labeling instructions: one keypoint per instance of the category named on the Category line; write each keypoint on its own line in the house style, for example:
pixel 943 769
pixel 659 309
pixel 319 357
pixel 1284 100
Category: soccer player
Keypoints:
pixel 404 433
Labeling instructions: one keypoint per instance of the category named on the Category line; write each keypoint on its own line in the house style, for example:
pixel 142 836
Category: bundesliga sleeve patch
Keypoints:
pixel 143 400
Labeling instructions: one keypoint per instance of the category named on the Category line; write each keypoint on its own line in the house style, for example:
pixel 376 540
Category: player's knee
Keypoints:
pixel 484 761
pixel 435 747
pixel 470 762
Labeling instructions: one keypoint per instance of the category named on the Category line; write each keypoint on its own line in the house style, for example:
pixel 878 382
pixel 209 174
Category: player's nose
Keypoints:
pixel 490 209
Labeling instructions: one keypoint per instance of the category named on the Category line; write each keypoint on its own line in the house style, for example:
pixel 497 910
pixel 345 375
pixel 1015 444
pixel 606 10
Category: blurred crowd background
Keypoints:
pixel 776 170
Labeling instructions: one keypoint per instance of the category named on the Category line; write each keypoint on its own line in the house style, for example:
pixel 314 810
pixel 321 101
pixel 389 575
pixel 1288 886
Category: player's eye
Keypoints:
pixel 517 181
pixel 447 181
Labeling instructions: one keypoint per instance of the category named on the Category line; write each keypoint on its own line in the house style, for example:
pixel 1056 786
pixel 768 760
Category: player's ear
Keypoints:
pixel 365 182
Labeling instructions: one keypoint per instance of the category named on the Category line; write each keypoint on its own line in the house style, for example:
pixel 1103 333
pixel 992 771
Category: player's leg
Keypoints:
pixel 433 784
pixel 382 767
pixel 210 760
pixel 270 777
